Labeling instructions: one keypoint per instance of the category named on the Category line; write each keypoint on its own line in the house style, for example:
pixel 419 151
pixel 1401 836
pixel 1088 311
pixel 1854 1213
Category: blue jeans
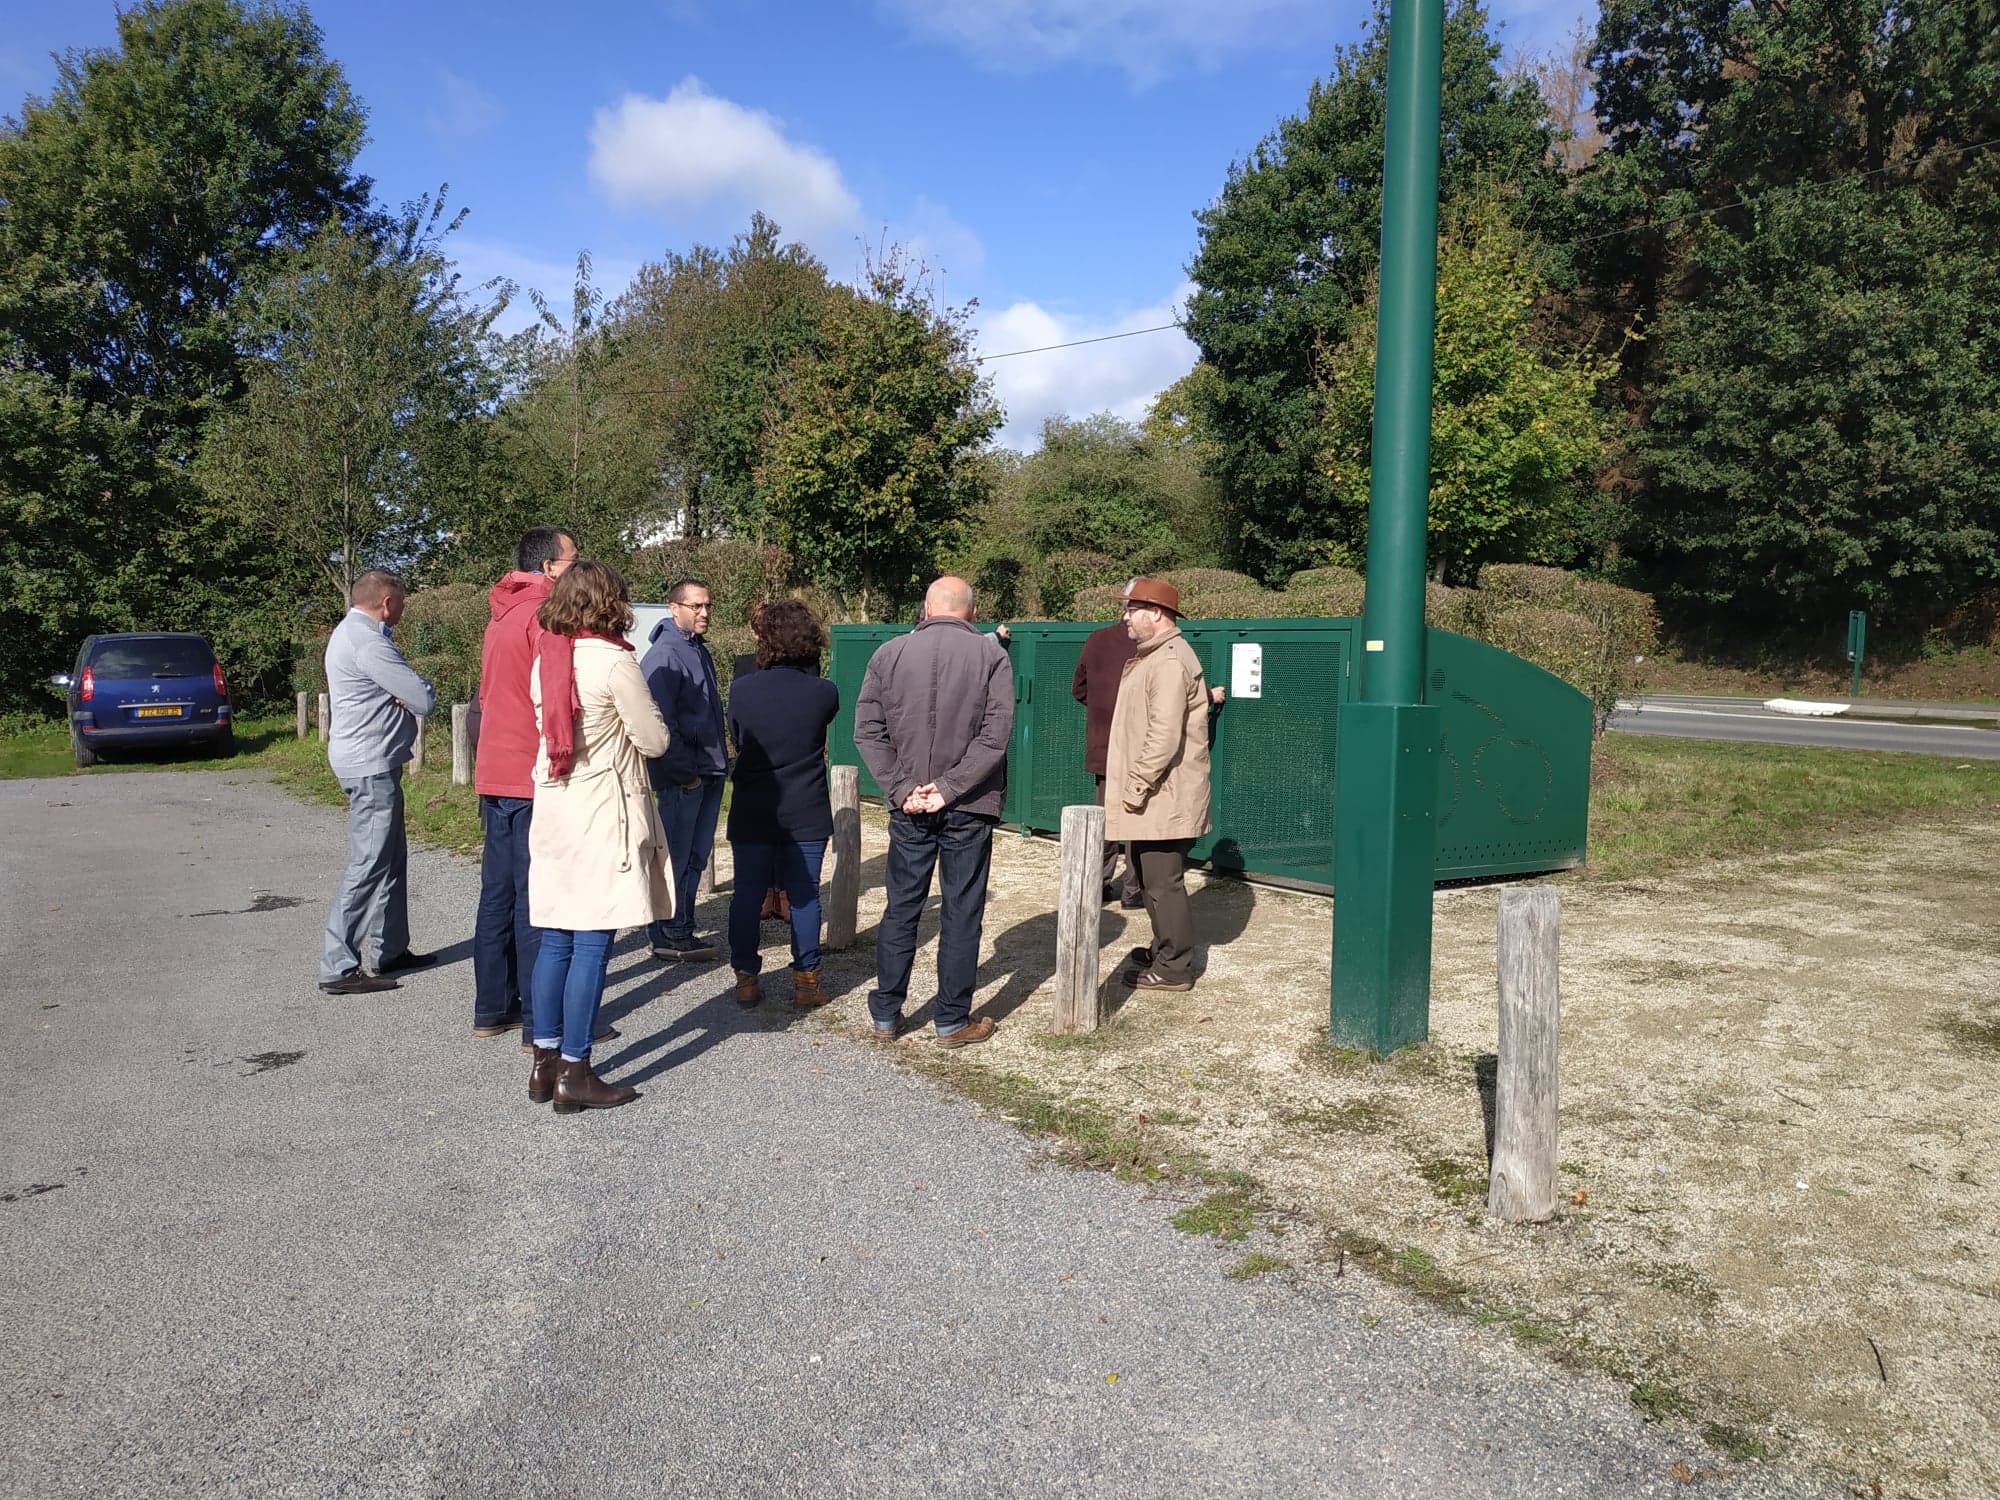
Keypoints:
pixel 959 845
pixel 567 984
pixel 795 869
pixel 504 943
pixel 373 902
pixel 690 815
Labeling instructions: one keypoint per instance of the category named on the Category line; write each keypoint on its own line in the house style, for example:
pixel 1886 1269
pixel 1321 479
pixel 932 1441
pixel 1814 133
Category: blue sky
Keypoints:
pixel 1045 157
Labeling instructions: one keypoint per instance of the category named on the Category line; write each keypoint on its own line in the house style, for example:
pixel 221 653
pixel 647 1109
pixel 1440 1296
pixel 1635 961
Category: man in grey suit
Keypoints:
pixel 374 698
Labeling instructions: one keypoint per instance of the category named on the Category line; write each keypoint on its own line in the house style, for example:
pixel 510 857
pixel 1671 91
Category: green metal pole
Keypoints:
pixel 1385 836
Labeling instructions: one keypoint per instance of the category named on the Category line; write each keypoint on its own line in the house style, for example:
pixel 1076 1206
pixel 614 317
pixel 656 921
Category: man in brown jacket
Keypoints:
pixel 1156 775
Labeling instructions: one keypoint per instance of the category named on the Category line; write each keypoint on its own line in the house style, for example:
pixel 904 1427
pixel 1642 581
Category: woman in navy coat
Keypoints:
pixel 780 816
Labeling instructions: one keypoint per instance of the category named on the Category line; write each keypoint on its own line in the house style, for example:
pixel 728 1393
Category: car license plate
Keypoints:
pixel 161 712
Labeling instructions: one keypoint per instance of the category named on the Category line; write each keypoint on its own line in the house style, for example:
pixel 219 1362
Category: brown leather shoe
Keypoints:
pixel 1148 981
pixel 749 994
pixel 978 1030
pixel 579 1088
pixel 806 990
pixel 542 1074
pixel 768 912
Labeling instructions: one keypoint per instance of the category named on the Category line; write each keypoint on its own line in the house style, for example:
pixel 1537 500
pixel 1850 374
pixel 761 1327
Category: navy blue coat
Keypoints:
pixel 778 718
pixel 682 677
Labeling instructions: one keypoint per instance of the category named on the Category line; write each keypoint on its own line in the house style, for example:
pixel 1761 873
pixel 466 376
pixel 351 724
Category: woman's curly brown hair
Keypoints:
pixel 590 597
pixel 789 635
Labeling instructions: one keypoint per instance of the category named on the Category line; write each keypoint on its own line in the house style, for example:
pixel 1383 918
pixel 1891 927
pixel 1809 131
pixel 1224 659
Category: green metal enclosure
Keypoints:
pixel 1513 783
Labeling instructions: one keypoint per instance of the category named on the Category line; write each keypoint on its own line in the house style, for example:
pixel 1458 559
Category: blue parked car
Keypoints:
pixel 154 688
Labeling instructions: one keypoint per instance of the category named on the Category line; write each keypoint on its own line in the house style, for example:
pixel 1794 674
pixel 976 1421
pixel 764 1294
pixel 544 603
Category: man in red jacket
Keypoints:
pixel 504 945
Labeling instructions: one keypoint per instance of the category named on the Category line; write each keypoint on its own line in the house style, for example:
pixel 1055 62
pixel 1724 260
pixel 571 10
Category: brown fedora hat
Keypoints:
pixel 1154 591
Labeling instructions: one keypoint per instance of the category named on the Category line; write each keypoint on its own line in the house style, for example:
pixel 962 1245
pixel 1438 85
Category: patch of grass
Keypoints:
pixel 1733 1442
pixel 36 750
pixel 1656 1402
pixel 1079 1131
pixel 1257 1263
pixel 1457 1182
pixel 1523 1328
pixel 1349 1117
pixel 1659 804
pixel 1226 1214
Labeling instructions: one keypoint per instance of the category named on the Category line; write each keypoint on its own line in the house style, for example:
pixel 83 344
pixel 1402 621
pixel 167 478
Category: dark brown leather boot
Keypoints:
pixel 542 1075
pixel 579 1088
pixel 806 989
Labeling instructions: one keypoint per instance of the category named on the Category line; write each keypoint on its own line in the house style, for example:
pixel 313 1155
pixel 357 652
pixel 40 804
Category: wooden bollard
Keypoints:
pixel 417 749
pixel 305 716
pixel 325 716
pixel 1523 1186
pixel 461 744
pixel 843 876
pixel 1079 909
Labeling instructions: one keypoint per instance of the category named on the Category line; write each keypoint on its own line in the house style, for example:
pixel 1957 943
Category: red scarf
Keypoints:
pixel 556 655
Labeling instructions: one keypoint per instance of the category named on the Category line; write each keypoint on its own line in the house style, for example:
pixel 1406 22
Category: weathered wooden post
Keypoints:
pixel 461 744
pixel 305 715
pixel 705 887
pixel 843 877
pixel 324 715
pixel 1523 1187
pixel 1079 907
pixel 417 750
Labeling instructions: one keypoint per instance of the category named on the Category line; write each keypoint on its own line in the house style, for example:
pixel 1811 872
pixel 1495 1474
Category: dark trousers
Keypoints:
pixel 504 943
pixel 959 846
pixel 792 868
pixel 1129 890
pixel 1163 877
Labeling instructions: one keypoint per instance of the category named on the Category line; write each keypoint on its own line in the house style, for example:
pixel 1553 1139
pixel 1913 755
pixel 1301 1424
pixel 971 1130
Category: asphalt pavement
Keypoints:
pixel 256 1241
pixel 1741 719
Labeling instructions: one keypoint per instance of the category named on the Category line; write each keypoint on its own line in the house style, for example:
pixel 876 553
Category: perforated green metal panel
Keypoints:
pixel 1272 758
pixel 1514 770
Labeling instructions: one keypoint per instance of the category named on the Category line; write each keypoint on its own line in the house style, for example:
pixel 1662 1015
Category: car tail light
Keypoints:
pixel 221 687
pixel 87 689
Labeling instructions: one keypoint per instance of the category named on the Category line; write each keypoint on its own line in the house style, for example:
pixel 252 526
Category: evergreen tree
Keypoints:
pixel 155 184
pixel 1288 253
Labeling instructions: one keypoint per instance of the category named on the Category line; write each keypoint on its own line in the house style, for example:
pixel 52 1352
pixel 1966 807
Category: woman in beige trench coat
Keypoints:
pixel 597 855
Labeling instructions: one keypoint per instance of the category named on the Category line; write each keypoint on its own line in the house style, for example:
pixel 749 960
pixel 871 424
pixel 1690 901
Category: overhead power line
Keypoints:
pixel 1102 338
pixel 1588 239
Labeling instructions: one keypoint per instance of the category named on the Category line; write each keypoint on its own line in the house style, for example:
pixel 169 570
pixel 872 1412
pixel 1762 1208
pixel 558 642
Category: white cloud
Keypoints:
pixel 694 149
pixel 462 108
pixel 1144 38
pixel 1121 375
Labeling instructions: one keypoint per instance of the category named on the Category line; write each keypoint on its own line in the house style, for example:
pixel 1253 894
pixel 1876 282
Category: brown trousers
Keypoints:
pixel 1162 865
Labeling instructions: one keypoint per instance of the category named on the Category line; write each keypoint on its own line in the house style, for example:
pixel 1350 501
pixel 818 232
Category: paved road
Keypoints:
pixel 1748 719
pixel 256 1242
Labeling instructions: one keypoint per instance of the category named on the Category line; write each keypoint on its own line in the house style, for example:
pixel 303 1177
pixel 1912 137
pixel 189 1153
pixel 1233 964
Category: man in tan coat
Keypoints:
pixel 1156 776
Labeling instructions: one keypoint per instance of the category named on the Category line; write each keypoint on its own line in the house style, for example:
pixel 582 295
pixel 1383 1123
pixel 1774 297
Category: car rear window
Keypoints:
pixel 162 657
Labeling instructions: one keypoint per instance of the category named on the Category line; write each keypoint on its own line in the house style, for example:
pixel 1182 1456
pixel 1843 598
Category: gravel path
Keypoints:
pixel 259 1241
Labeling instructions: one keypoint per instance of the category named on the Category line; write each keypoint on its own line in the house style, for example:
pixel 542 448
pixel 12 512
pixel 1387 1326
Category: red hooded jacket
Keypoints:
pixel 504 765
